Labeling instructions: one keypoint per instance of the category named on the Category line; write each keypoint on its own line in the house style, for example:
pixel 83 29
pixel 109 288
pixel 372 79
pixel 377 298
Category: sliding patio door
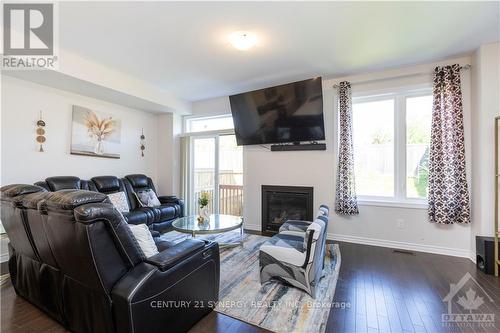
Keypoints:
pixel 217 168
pixel 230 176
pixel 204 166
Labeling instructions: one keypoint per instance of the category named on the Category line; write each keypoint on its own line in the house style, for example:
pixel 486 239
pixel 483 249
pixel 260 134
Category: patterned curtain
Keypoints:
pixel 448 192
pixel 345 198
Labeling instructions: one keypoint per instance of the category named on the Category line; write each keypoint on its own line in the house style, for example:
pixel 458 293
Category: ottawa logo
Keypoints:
pixel 467 307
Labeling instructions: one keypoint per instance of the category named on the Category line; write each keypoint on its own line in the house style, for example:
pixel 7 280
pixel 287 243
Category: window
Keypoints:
pixel 206 124
pixel 373 136
pixel 391 137
pixel 418 139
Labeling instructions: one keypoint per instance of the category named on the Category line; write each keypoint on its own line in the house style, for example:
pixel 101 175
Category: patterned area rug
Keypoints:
pixel 273 306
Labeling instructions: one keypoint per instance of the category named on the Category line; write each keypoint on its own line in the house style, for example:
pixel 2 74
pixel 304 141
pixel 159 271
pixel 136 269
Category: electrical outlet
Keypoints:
pixel 400 223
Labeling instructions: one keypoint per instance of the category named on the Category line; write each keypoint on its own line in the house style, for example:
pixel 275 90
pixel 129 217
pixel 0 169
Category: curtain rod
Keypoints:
pixel 464 67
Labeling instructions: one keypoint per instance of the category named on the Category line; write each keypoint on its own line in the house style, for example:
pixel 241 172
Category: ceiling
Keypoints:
pixel 183 48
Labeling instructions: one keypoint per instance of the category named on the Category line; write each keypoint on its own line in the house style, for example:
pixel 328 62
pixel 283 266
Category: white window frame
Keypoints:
pixel 399 95
pixel 193 205
pixel 215 134
pixel 187 119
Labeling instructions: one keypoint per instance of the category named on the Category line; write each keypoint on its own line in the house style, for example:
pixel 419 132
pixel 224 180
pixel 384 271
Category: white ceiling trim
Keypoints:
pixel 82 76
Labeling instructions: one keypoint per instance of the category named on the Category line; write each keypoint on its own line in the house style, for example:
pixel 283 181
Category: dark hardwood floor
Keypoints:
pixel 398 292
pixel 383 291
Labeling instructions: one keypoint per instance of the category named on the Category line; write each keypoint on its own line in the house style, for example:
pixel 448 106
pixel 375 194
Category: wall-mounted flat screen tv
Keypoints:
pixel 288 113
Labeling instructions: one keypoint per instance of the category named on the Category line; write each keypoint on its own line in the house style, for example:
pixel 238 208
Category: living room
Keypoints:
pixel 274 166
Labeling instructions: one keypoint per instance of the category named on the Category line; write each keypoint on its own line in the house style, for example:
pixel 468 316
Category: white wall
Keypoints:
pixel 375 224
pixel 378 225
pixel 486 106
pixel 22 163
pixel 211 107
pixel 169 130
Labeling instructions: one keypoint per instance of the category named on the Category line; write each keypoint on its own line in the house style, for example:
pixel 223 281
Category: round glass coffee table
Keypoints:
pixel 216 224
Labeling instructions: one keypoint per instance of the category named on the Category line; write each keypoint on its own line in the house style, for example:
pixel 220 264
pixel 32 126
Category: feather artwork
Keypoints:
pixel 98 129
pixel 95 133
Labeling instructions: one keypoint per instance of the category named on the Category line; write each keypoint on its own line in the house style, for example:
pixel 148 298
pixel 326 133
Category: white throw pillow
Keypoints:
pixel 144 238
pixel 148 198
pixel 119 200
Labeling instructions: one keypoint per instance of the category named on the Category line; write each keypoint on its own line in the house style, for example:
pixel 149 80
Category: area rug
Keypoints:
pixel 273 306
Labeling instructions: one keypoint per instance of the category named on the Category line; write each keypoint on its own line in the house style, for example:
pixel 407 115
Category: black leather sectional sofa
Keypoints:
pixel 73 256
pixel 157 218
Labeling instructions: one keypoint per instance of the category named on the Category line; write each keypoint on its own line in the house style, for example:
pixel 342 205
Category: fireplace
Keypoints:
pixel 282 203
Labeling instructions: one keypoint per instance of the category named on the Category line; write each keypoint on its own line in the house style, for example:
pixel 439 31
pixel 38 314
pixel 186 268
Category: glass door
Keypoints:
pixel 217 168
pixel 203 171
pixel 230 176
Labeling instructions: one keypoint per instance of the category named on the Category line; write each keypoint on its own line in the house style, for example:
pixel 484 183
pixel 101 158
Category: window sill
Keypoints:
pixel 394 204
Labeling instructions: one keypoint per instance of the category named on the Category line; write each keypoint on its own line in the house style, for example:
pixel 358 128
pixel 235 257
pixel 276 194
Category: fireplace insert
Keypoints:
pixel 282 203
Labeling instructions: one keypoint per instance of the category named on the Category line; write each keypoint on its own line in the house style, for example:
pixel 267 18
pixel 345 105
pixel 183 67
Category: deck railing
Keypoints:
pixel 230 199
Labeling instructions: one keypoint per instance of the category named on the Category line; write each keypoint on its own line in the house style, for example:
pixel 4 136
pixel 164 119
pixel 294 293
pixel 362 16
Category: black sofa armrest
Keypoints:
pixel 172 255
pixel 154 233
pixel 169 199
pixel 172 199
pixel 147 299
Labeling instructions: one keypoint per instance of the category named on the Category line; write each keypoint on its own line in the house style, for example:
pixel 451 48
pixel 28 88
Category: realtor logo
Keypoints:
pixel 467 307
pixel 29 36
pixel 28 29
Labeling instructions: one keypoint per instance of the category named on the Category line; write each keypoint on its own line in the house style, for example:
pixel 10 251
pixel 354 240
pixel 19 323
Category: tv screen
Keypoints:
pixel 288 113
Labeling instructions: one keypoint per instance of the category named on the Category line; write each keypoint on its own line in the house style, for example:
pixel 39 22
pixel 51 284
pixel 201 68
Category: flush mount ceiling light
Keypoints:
pixel 242 40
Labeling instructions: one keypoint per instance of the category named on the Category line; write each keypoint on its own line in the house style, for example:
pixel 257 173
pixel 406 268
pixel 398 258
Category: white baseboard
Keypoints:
pixel 255 227
pixel 392 244
pixel 403 245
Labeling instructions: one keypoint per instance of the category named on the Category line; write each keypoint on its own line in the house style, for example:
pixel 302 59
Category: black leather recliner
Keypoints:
pixel 157 218
pixel 50 274
pixel 99 279
pixel 54 184
pixel 24 259
pixel 112 184
pixel 170 208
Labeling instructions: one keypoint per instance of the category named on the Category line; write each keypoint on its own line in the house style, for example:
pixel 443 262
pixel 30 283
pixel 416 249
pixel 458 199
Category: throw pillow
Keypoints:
pixel 144 239
pixel 148 198
pixel 119 200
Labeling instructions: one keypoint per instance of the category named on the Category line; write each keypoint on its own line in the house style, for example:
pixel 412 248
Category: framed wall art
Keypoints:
pixel 95 133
